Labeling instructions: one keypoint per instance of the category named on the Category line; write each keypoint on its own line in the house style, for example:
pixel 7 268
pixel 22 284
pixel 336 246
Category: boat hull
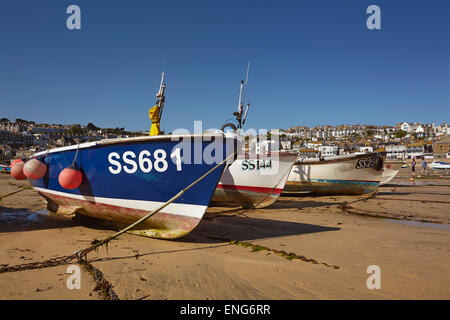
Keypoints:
pixel 125 179
pixel 5 169
pixel 436 165
pixel 352 175
pixel 254 181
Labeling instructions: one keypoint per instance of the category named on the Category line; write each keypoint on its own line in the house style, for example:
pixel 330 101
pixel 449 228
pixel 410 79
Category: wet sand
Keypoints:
pixel 299 248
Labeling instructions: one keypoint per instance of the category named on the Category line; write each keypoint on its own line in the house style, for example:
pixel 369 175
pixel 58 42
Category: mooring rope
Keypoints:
pixel 82 254
pixel 3 196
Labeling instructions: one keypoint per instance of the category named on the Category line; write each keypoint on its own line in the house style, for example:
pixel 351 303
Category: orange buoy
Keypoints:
pixel 35 168
pixel 17 169
pixel 15 161
pixel 70 177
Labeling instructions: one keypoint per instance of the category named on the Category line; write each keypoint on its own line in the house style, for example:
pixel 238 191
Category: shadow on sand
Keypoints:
pixel 238 228
pixel 286 203
pixel 23 219
pixel 214 228
pixel 218 232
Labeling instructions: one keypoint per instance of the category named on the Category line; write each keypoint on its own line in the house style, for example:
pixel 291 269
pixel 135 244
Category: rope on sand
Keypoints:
pixel 14 192
pixel 82 254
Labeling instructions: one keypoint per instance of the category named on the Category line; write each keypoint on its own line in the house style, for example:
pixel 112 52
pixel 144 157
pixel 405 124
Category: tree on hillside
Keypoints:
pixel 400 134
pixel 91 126
pixel 75 129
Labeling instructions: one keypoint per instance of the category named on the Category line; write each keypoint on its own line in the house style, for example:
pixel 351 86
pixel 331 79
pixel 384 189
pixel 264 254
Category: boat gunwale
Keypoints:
pixel 340 158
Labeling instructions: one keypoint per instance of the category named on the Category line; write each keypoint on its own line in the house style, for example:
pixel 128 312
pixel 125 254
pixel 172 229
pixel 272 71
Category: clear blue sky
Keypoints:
pixel 312 62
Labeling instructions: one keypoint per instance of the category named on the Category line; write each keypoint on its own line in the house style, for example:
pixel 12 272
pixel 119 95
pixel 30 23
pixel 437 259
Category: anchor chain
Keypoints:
pixel 41 265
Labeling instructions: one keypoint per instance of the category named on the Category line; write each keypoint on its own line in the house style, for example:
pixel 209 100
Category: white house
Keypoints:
pixel 405 126
pixel 395 151
pixel 366 149
pixel 264 146
pixel 314 146
pixel 328 151
pixel 419 129
pixel 414 150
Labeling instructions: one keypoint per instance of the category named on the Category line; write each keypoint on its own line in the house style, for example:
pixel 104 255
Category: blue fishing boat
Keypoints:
pixel 122 180
pixel 5 169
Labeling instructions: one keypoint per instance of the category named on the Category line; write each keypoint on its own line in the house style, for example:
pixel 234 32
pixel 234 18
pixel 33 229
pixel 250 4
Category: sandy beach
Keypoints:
pixel 301 247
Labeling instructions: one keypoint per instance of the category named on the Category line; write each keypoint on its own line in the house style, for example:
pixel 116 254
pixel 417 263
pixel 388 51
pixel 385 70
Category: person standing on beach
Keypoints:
pixel 413 168
pixel 424 165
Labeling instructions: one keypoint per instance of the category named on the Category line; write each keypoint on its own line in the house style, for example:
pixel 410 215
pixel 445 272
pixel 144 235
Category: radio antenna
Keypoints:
pixel 246 83
pixel 242 97
pixel 245 94
pixel 160 95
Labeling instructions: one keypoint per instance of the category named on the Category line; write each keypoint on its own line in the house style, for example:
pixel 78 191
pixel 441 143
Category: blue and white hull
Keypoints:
pixel 5 169
pixel 436 165
pixel 125 179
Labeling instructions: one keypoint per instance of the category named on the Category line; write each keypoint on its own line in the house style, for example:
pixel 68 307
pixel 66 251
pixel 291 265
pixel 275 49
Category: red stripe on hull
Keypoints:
pixel 249 188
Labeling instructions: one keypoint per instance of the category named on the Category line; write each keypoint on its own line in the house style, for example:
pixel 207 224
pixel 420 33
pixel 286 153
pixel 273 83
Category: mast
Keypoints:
pixel 160 95
pixel 240 115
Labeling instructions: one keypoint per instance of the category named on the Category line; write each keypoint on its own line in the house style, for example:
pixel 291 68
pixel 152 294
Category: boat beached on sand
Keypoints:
pixel 253 180
pixel 344 174
pixel 436 165
pixel 5 168
pixel 122 180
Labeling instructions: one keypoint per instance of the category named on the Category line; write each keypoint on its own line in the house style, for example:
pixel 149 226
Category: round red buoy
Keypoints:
pixel 70 177
pixel 17 169
pixel 14 162
pixel 34 169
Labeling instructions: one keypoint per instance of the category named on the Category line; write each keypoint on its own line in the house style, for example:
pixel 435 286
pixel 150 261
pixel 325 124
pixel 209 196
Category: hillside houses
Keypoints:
pixel 403 141
pixel 419 129
pixel 356 131
pixel 340 133
pixel 19 136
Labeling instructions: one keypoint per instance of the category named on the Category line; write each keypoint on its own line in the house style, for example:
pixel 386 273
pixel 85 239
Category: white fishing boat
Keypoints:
pixel 435 165
pixel 254 181
pixel 388 175
pixel 344 174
